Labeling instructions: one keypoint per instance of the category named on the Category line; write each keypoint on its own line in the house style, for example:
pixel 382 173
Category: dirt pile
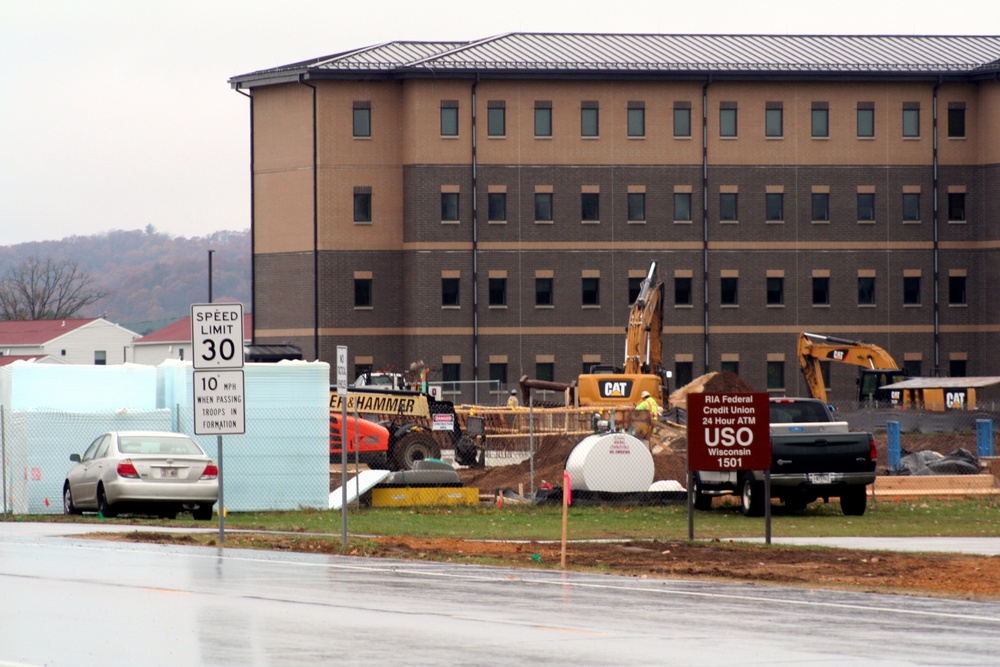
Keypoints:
pixel 724 382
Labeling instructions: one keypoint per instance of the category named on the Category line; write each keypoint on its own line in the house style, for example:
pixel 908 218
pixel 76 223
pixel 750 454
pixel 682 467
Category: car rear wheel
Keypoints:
pixel 702 501
pixel 854 500
pixel 104 508
pixel 68 506
pixel 202 513
pixel 752 498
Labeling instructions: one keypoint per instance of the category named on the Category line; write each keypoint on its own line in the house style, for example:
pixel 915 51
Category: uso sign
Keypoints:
pixel 729 432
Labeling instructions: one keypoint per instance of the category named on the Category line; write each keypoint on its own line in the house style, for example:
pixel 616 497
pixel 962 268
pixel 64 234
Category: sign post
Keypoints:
pixel 217 383
pixel 729 433
pixel 342 393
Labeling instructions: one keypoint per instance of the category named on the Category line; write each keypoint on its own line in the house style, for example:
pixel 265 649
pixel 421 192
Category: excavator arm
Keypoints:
pixel 815 348
pixel 643 341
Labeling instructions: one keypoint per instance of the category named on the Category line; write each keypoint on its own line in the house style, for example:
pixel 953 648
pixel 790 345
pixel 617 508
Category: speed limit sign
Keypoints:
pixel 217 335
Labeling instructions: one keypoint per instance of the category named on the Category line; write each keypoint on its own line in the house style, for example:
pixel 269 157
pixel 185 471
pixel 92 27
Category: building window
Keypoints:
pixel 634 287
pixel 775 291
pixel 682 206
pixel 775 375
pixel 913 368
pixel 362 292
pixel 682 291
pixel 820 120
pixel 543 119
pixel 727 119
pixel 100 357
pixel 496 118
pixel 362 206
pixel 449 292
pixel 729 294
pixel 956 291
pixel 911 290
pixel 590 207
pixel 543 292
pixel 957 368
pixel 956 120
pixel 362 119
pixel 589 120
pixel 683 372
pixel 498 377
pixel 545 371
pixel 728 206
pixel 866 206
pixel 543 206
pixel 591 291
pixel 866 291
pixel 773 120
pixel 911 206
pixel 866 120
pixel 682 119
pixel 956 206
pixel 449 207
pixel 449 119
pixel 496 209
pixel 775 204
pixel 730 367
pixel 821 291
pixel 451 375
pixel 911 119
pixel 821 206
pixel 636 206
pixel 498 291
pixel 636 120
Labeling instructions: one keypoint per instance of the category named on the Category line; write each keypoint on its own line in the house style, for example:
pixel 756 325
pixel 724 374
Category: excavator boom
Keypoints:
pixel 816 348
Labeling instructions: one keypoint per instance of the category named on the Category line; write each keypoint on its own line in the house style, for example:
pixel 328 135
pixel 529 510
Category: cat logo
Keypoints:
pixel 838 355
pixel 615 388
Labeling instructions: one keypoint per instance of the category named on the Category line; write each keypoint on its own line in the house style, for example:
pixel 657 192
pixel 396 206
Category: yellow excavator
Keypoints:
pixel 877 367
pixel 643 369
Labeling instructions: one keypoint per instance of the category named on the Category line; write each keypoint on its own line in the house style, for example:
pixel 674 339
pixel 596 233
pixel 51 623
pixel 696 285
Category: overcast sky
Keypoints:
pixel 116 114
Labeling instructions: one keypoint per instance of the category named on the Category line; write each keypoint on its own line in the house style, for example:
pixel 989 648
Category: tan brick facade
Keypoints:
pixel 406 247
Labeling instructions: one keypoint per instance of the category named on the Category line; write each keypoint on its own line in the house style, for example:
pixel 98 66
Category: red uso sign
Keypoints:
pixel 729 432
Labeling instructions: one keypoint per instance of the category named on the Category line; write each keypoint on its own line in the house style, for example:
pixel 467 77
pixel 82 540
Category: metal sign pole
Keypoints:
pixel 222 503
pixel 342 393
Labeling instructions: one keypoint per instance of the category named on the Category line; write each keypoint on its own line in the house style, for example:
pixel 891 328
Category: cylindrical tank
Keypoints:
pixel 613 462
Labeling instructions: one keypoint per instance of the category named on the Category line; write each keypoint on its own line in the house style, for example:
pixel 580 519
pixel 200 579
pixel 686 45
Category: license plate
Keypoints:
pixel 169 473
pixel 819 478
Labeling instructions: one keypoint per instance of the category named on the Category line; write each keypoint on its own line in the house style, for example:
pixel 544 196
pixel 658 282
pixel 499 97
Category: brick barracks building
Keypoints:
pixel 490 207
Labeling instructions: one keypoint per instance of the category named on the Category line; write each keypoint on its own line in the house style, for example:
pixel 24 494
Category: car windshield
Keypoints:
pixel 151 444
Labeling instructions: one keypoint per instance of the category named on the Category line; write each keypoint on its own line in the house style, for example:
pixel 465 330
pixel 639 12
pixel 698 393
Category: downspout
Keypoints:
pixel 315 224
pixel 253 242
pixel 475 256
pixel 704 218
pixel 937 247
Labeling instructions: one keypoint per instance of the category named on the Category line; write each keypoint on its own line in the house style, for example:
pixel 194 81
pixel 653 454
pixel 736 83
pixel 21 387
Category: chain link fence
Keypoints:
pixel 281 463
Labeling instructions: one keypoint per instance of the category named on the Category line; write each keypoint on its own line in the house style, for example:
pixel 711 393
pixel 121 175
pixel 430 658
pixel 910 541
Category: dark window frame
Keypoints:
pixel 682 121
pixel 866 291
pixel 544 291
pixel 774 206
pixel 821 290
pixel 729 291
pixel 451 292
pixel 450 207
pixel 636 207
pixel 496 207
pixel 363 293
pixel 362 207
pixel 820 122
pixel 683 291
pixel 636 122
pixel 866 206
pixel 911 207
pixel 361 122
pixel 957 207
pixel 958 291
pixel 543 121
pixel 590 206
pixel 590 122
pixel 449 120
pixel 544 207
pixel 820 202
pixel 590 291
pixel 729 206
pixel 682 207
pixel 911 290
pixel 775 291
pixel 496 289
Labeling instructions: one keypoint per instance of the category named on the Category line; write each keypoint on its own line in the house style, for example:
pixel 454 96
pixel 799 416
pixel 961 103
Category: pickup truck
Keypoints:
pixel 812 456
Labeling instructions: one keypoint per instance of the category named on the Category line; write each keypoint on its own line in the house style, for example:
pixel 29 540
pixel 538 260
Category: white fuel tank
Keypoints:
pixel 613 462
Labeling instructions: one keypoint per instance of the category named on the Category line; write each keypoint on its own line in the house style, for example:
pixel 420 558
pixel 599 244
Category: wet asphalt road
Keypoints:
pixel 69 601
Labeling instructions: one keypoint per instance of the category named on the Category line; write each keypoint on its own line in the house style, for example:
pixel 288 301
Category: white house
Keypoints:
pixel 70 341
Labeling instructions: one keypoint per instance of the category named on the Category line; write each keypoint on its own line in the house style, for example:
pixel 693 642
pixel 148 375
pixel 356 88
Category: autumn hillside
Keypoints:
pixel 151 278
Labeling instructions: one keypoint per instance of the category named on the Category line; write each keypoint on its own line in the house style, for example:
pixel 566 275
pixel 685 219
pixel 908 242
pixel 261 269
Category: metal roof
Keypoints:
pixel 944 383
pixel 555 54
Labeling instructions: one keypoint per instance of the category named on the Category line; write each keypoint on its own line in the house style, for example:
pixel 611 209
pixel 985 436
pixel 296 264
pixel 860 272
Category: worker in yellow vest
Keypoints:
pixel 649 403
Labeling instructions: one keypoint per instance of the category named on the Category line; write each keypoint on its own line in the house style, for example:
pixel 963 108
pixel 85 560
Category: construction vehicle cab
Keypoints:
pixel 643 369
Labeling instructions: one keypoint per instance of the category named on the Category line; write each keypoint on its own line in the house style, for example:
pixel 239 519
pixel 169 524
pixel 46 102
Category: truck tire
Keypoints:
pixel 702 501
pixel 412 447
pixel 466 453
pixel 752 496
pixel 854 500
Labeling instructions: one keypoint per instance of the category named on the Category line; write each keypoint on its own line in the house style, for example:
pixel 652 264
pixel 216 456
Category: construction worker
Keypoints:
pixel 649 403
pixel 512 402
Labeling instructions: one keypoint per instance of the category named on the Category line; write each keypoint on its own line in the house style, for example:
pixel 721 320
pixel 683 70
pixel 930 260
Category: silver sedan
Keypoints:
pixel 142 471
